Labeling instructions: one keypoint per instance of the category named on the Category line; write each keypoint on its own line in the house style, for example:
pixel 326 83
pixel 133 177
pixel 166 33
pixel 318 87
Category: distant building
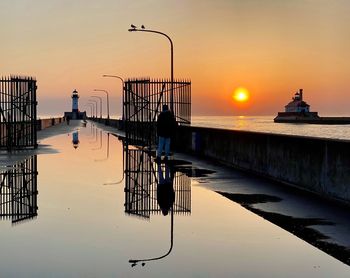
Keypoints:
pixel 75 114
pixel 297 104
pixel 297 111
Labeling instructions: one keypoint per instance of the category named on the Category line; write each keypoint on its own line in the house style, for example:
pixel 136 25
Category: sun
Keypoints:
pixel 240 94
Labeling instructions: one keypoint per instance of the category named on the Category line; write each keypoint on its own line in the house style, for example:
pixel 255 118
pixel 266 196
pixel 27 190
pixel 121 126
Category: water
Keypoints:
pixel 266 124
pixel 82 227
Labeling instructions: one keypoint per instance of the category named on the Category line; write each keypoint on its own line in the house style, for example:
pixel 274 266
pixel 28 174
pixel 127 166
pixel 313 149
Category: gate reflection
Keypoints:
pixel 144 179
pixel 18 190
pixel 152 188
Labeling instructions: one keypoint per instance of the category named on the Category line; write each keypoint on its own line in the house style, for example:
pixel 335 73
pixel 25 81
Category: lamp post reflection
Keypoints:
pixel 121 180
pixel 100 146
pixel 94 134
pixel 107 156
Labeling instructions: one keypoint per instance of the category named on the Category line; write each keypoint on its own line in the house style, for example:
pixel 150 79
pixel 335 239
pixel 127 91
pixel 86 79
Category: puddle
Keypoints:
pixel 301 227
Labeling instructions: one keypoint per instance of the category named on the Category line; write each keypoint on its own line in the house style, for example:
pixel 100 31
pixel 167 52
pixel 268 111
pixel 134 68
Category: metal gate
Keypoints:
pixel 143 101
pixel 18 113
pixel 18 190
pixel 143 177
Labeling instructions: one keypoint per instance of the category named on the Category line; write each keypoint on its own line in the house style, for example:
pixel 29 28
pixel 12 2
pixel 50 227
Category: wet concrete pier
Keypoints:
pixel 94 196
pixel 317 165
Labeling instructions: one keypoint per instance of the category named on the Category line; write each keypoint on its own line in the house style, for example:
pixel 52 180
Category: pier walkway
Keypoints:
pixel 319 222
pixel 322 223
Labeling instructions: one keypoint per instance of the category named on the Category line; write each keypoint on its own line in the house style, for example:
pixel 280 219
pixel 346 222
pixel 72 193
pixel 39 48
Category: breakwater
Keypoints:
pixel 109 122
pixel 318 165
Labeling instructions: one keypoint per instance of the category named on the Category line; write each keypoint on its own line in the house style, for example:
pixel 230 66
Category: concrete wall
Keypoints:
pixel 45 123
pixel 111 122
pixel 318 165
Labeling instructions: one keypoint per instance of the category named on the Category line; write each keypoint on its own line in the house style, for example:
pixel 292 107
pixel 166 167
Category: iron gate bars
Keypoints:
pixel 143 185
pixel 18 190
pixel 143 101
pixel 18 113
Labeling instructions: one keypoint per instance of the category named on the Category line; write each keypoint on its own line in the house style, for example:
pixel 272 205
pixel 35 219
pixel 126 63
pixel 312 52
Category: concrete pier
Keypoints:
pixel 321 166
pixel 317 165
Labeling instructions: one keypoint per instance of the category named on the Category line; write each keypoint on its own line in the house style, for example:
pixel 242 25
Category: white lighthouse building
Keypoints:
pixel 75 101
pixel 75 114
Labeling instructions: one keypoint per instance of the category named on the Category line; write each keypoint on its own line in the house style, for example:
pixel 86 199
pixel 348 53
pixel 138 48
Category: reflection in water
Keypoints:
pixel 154 188
pixel 165 188
pixel 301 227
pixel 142 181
pixel 75 140
pixel 107 154
pixel 18 190
pixel 100 139
pixel 94 134
pixel 119 138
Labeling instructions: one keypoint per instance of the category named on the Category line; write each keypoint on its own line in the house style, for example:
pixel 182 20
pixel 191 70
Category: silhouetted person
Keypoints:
pixel 165 190
pixel 68 119
pixel 166 126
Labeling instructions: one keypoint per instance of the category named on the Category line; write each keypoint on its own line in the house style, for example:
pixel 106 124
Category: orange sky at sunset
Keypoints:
pixel 270 47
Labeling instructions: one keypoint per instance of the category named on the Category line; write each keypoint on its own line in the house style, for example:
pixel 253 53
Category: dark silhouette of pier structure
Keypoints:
pixel 143 101
pixel 18 190
pixel 18 113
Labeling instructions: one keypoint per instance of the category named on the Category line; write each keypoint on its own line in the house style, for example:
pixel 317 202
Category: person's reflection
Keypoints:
pixel 165 199
pixel 165 190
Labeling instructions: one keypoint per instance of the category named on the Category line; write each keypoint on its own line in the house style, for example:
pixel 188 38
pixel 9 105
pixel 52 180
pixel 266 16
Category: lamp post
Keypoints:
pixel 89 105
pixel 99 90
pixel 95 102
pixel 135 29
pixel 93 109
pixel 100 105
pixel 122 80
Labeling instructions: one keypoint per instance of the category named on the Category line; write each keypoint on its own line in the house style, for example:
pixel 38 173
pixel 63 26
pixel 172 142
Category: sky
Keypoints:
pixel 270 47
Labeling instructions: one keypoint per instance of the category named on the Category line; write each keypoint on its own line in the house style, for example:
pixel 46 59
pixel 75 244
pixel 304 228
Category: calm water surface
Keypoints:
pixel 84 229
pixel 266 124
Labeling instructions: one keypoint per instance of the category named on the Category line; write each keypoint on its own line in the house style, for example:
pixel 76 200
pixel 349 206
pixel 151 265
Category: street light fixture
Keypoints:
pixel 94 101
pixel 99 90
pixel 143 29
pixel 100 104
pixel 89 105
pixel 92 105
pixel 122 80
